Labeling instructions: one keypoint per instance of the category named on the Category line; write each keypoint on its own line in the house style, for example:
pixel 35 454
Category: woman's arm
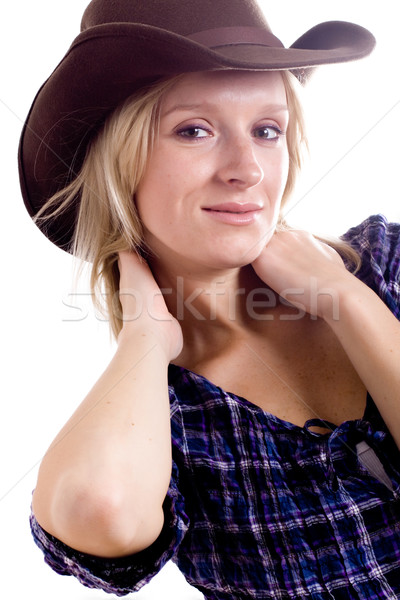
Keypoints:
pixel 370 335
pixel 102 483
pixel 312 276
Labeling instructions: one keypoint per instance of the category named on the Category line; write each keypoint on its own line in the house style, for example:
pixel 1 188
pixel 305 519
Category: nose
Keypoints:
pixel 239 165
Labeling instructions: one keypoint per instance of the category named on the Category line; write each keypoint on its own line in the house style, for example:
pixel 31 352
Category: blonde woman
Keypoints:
pixel 163 149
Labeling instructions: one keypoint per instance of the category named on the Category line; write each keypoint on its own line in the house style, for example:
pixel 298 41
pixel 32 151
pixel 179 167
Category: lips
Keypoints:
pixel 233 207
pixel 234 213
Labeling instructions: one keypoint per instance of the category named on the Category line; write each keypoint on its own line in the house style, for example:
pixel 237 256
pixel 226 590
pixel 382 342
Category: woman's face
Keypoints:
pixel 211 192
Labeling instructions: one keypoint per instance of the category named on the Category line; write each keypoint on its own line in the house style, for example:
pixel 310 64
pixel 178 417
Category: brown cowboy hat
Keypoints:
pixel 126 44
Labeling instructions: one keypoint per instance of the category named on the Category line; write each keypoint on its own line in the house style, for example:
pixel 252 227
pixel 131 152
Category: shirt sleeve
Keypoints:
pixel 378 244
pixel 128 574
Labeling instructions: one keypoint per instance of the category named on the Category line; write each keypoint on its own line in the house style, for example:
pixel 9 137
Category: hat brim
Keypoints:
pixel 108 63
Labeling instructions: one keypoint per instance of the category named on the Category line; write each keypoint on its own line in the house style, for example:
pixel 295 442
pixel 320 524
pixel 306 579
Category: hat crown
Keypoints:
pixel 177 16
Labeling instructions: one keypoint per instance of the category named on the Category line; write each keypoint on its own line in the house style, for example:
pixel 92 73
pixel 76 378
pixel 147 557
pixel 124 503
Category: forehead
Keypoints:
pixel 223 86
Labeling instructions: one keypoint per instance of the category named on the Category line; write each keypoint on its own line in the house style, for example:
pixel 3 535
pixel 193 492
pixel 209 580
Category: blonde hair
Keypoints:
pixel 108 222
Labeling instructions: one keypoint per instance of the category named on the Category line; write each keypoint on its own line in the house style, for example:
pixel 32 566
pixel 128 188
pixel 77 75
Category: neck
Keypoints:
pixel 211 306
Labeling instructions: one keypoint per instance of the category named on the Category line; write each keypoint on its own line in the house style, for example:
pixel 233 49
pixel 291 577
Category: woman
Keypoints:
pixel 163 149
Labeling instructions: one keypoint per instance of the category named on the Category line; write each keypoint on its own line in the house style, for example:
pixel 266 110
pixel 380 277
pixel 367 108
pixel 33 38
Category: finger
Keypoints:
pixel 132 268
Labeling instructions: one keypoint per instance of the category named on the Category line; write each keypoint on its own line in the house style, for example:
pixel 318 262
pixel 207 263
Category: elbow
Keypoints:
pixel 100 521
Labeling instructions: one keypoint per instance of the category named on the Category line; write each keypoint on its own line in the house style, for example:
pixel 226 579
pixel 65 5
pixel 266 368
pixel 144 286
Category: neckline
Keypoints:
pixel 369 411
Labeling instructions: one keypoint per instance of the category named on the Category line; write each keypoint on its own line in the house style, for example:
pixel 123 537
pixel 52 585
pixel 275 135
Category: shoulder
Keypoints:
pixel 189 390
pixel 193 400
pixel 375 237
pixel 377 242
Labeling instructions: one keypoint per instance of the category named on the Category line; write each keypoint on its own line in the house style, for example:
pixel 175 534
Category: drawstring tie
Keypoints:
pixel 348 448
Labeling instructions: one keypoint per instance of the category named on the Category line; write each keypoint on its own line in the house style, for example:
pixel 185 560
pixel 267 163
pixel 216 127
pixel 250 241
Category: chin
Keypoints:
pixel 249 254
pixel 237 259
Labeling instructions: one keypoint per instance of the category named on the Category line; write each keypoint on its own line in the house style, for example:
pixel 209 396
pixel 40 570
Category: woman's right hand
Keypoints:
pixel 143 305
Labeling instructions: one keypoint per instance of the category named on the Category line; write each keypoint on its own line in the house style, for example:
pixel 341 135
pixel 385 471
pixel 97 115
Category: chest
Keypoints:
pixel 296 372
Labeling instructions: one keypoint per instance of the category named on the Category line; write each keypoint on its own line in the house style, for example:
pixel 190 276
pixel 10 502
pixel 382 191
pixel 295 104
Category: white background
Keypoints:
pixel 52 353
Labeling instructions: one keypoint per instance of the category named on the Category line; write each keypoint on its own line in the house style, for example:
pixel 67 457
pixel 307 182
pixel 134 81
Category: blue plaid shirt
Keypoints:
pixel 259 508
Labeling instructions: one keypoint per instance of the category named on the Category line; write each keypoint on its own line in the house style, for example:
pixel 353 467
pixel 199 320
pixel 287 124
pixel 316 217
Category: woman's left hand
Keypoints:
pixel 303 271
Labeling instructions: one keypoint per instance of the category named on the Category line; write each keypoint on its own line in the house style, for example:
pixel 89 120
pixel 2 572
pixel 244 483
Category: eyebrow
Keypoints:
pixel 185 107
pixel 191 107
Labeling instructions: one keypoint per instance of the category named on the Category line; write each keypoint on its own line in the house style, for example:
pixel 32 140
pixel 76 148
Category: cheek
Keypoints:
pixel 171 182
pixel 284 164
pixel 153 188
pixel 147 202
pixel 283 172
pixel 276 174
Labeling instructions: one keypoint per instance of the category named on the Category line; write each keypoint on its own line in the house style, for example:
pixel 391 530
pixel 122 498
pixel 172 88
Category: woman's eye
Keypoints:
pixel 268 132
pixel 193 132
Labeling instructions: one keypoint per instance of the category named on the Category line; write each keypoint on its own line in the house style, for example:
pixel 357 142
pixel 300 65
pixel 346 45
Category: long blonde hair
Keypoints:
pixel 115 162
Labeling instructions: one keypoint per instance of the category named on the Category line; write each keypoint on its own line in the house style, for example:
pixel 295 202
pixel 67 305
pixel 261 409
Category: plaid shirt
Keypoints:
pixel 259 508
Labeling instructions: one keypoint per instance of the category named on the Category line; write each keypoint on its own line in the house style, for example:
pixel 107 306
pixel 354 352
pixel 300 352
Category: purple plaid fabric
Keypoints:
pixel 259 508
